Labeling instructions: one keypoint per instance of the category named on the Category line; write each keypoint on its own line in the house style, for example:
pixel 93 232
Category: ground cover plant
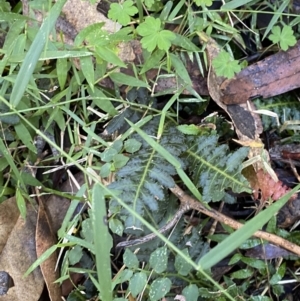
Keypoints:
pixel 133 164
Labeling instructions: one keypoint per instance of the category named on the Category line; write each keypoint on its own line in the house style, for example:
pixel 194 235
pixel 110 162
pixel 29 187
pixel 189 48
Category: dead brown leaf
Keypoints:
pixel 44 240
pixel 264 187
pixel 267 252
pixel 21 240
pixel 271 76
pixel 9 213
pixel 57 206
pixel 18 255
pixel 247 124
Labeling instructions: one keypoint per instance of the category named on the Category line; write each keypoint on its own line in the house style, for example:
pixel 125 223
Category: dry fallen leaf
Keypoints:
pixel 264 187
pixel 45 239
pixel 17 256
pixel 9 213
pixel 57 206
pixel 21 240
pixel 271 76
pixel 247 124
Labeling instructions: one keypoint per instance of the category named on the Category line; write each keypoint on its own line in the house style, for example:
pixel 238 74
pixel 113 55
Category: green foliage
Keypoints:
pixel 159 288
pixel 285 36
pixel 286 107
pixel 159 260
pixel 154 36
pixel 72 102
pixel 214 168
pixel 121 12
pixel 149 3
pixel 113 158
pixel 4 6
pixel 203 2
pixel 143 181
pixel 137 283
pixel 225 65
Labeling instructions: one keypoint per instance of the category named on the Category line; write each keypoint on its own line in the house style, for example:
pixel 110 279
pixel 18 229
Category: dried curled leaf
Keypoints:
pixel 264 187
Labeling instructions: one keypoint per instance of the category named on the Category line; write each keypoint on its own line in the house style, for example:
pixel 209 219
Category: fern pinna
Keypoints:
pixel 143 183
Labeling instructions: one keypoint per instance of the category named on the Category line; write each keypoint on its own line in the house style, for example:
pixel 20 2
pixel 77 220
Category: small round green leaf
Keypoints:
pixel 121 12
pixel 123 276
pixel 159 288
pixel 241 274
pixel 137 283
pixel 159 259
pixel 116 226
pixel 130 259
pixel 108 154
pixel 191 292
pixel 117 145
pixel 75 254
pixel 87 230
pixel 132 145
pixel 105 170
pixel 181 265
pixel 120 160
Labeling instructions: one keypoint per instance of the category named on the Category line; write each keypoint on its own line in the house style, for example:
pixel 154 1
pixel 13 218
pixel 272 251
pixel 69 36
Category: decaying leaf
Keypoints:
pixel 271 76
pixel 247 124
pixel 264 187
pixel 21 240
pixel 9 214
pixel 18 255
pixel 267 252
pixel 44 240
pixel 57 206
pixel 289 213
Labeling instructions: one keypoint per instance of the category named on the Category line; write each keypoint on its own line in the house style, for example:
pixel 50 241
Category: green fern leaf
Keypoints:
pixel 286 107
pixel 143 182
pixel 132 113
pixel 214 169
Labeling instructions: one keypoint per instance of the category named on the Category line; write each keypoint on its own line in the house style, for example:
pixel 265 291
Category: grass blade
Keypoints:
pixel 103 243
pixel 34 53
pixel 238 237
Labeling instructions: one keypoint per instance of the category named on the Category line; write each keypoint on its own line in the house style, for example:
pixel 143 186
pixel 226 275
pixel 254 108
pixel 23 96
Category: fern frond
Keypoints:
pixel 132 113
pixel 147 175
pixel 286 107
pixel 214 169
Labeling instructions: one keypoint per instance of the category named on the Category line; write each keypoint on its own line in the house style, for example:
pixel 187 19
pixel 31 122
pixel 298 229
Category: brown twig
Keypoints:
pixel 187 203
pixel 168 226
pixel 191 203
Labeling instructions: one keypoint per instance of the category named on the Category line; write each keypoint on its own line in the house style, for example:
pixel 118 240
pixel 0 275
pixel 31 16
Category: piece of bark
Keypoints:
pixel 274 75
pixel 83 13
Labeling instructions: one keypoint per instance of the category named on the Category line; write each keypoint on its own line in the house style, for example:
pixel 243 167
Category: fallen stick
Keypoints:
pixel 187 203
